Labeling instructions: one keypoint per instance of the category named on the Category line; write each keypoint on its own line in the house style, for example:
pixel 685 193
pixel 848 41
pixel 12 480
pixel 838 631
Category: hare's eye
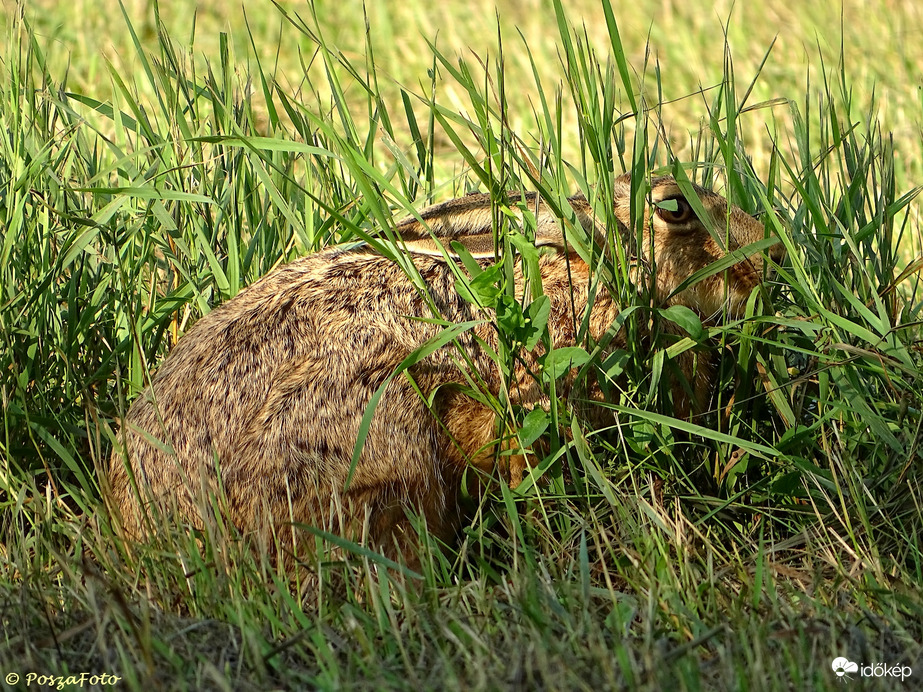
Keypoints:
pixel 674 210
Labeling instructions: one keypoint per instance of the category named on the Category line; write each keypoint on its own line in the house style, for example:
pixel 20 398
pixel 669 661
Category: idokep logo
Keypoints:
pixel 843 667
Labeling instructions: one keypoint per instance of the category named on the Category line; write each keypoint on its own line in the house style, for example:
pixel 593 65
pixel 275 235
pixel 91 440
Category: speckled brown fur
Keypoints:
pixel 263 397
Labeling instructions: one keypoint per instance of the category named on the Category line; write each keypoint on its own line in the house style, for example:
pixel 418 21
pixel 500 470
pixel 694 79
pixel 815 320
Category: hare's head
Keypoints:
pixel 677 243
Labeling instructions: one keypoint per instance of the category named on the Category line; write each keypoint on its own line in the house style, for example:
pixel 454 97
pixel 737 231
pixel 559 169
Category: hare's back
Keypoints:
pixel 310 342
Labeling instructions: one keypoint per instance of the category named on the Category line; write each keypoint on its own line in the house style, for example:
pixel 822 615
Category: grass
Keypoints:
pixel 744 550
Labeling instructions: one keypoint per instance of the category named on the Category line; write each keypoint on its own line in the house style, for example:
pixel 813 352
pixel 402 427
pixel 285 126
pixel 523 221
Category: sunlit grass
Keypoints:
pixel 683 42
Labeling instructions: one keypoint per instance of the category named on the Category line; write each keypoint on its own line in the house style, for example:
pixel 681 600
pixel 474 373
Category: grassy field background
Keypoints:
pixel 685 45
pixel 158 158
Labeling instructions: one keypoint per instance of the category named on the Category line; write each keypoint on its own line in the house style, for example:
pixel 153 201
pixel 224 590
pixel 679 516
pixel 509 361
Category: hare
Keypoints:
pixel 257 410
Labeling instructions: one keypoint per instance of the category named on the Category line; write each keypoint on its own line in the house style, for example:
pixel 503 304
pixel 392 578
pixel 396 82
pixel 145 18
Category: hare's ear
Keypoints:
pixel 479 245
pixel 549 230
pixel 469 222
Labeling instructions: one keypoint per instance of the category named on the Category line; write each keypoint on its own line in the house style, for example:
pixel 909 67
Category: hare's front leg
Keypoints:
pixel 476 439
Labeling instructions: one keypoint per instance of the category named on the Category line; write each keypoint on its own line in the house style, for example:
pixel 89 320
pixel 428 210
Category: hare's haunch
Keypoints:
pixel 256 412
